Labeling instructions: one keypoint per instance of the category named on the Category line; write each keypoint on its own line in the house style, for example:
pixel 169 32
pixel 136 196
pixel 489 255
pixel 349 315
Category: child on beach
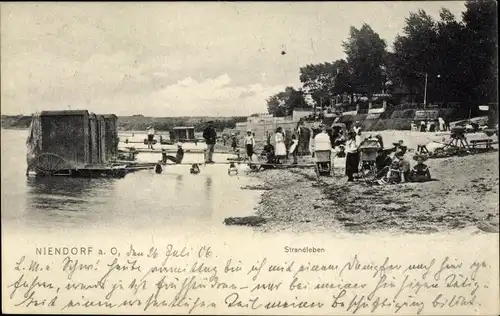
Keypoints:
pixel 268 154
pixel 279 149
pixel 178 157
pixel 194 169
pixel 234 142
pixel 382 163
pixel 151 134
pixel 398 170
pixel 420 172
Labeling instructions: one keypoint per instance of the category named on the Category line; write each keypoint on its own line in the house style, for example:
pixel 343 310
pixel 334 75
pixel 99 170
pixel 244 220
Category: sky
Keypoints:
pixel 176 58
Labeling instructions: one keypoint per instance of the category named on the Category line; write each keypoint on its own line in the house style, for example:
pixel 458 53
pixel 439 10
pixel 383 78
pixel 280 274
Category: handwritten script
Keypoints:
pixel 196 280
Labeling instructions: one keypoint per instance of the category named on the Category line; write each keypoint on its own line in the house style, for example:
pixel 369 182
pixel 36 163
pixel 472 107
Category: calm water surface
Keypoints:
pixel 142 200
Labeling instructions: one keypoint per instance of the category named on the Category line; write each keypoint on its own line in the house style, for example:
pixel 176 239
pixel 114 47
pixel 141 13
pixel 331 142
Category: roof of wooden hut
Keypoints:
pixel 184 127
pixel 110 116
pixel 92 115
pixel 64 113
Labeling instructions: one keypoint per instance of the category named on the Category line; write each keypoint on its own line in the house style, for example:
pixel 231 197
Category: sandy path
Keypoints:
pixel 464 194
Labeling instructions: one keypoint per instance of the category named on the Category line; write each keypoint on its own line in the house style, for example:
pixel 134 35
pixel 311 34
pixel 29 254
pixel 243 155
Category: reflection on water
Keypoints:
pixel 65 193
pixel 141 200
pixel 178 184
pixel 208 189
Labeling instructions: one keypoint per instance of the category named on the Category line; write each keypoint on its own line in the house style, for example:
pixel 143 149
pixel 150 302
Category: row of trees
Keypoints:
pixel 167 123
pixel 458 58
pixel 140 123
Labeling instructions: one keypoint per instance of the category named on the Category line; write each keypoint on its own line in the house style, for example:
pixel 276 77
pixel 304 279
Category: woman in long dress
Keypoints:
pixel 357 130
pixel 304 138
pixel 280 148
pixel 352 157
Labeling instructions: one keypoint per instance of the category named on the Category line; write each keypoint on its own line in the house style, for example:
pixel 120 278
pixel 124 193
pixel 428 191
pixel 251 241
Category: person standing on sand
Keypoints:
pixel 249 144
pixel 352 157
pixel 423 126
pixel 210 136
pixel 413 127
pixel 151 135
pixel 280 149
pixel 429 126
pixel 441 124
pixel 322 143
pixel 288 141
pixel 357 130
pixel 322 140
pixel 294 148
pixel 304 137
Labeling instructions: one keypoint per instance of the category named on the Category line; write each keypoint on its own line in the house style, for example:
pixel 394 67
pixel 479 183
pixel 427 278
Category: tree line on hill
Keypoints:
pixel 140 123
pixel 459 60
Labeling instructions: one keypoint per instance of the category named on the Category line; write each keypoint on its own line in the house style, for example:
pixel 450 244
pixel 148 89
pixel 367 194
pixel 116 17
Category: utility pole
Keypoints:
pixel 425 92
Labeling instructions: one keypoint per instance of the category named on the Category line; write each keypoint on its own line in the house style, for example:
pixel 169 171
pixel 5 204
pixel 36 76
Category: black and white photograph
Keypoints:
pixel 257 158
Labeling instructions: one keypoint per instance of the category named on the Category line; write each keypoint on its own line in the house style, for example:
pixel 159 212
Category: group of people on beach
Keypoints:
pixel 272 154
pixel 389 165
pixel 437 125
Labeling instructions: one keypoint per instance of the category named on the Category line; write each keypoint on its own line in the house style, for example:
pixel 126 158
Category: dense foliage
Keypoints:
pixel 459 59
pixel 283 103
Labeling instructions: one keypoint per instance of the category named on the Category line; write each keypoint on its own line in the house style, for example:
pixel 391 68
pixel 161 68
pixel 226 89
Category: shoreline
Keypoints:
pixel 294 201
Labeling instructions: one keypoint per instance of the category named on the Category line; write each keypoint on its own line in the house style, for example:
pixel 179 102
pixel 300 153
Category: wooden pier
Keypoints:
pixel 173 151
pixel 281 166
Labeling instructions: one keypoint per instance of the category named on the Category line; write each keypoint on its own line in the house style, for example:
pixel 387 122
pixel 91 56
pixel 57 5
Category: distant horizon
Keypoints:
pixel 140 115
pixel 217 59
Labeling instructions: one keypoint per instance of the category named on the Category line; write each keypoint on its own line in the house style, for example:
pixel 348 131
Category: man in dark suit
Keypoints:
pixel 210 136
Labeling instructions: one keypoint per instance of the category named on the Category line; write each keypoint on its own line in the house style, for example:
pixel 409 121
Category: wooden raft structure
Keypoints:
pixel 159 151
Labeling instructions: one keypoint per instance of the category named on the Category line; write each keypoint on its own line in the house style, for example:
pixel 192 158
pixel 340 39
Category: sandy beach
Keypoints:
pixel 463 194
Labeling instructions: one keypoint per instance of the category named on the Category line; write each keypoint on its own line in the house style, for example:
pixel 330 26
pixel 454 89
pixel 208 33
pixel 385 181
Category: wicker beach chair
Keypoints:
pixel 368 155
pixel 323 162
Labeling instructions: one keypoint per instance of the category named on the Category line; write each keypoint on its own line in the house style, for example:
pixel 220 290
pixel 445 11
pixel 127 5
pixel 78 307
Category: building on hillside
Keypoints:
pixel 264 124
pixel 301 113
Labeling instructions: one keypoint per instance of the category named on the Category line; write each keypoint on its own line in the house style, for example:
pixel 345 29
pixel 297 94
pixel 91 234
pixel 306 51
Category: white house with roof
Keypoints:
pixel 300 113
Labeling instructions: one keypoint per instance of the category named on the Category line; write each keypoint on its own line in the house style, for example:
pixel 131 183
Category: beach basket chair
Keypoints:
pixel 368 155
pixel 323 163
